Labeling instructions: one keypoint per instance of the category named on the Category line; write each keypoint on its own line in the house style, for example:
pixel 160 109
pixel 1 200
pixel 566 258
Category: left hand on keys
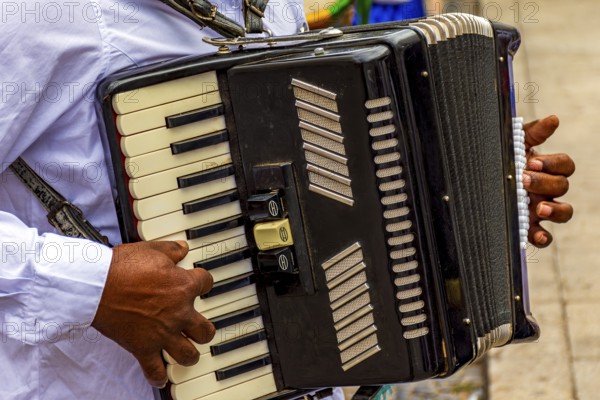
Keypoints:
pixel 545 178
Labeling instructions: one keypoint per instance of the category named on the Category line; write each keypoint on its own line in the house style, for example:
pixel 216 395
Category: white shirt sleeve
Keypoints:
pixel 49 284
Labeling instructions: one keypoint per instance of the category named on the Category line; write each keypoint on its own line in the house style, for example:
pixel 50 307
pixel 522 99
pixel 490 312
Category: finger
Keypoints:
pixel 554 211
pixel 202 280
pixel 538 236
pixel 538 131
pixel 556 164
pixel 175 250
pixel 183 351
pixel 545 184
pixel 201 330
pixel 154 369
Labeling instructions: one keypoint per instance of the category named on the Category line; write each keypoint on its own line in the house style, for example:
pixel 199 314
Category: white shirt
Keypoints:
pixel 52 55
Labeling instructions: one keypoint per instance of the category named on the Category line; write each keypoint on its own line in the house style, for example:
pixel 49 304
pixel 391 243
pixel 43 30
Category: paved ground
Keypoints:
pixel 557 72
pixel 560 61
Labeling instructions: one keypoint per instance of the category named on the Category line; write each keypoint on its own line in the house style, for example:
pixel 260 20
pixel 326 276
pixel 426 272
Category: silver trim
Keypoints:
pixel 346 275
pixel 314 89
pixel 353 317
pixel 319 131
pixel 317 110
pixel 350 296
pixel 352 340
pixel 325 153
pixel 341 255
pixel 331 195
pixel 358 359
pixel 328 174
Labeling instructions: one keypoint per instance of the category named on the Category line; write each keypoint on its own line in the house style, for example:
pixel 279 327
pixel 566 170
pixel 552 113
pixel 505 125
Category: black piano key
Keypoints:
pixel 236 317
pixel 199 142
pixel 222 260
pixel 230 285
pixel 237 343
pixel 242 367
pixel 210 202
pixel 174 121
pixel 204 176
pixel 215 227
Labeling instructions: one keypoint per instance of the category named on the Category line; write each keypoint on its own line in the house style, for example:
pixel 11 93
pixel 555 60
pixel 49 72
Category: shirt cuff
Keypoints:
pixel 69 280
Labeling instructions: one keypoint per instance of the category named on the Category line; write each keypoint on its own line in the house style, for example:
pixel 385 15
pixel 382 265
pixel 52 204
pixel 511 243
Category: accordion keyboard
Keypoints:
pixel 182 184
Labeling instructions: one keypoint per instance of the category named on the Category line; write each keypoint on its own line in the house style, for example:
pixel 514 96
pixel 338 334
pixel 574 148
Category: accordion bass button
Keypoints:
pixel 265 206
pixel 273 234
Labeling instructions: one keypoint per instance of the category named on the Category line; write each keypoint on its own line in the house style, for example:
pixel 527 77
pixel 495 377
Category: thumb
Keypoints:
pixel 536 132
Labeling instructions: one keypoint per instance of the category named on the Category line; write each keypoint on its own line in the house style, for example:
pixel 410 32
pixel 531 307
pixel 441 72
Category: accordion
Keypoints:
pixel 358 201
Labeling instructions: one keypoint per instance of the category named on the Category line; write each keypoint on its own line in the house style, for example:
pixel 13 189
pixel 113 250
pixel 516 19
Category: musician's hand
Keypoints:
pixel 147 304
pixel 545 179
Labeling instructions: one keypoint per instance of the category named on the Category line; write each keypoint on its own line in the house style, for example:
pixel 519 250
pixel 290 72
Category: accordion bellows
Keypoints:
pixel 358 201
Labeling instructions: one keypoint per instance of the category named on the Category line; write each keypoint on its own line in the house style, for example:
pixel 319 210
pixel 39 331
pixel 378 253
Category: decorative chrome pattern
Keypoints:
pixel 353 317
pixel 397 214
pixel 323 142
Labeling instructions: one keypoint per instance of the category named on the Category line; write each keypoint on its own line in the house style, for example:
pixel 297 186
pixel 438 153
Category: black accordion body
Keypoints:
pixel 358 201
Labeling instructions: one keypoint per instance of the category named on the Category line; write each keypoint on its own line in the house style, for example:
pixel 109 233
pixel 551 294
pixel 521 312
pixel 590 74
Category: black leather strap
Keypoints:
pixel 366 392
pixel 62 215
pixel 204 13
pixel 253 14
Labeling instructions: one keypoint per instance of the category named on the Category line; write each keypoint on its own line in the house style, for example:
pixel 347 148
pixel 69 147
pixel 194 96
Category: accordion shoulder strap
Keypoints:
pixel 207 14
pixel 62 215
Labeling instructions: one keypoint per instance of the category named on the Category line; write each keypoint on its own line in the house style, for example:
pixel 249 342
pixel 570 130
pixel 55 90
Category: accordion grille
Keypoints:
pixel 397 214
pixel 314 98
pixel 324 149
pixel 352 311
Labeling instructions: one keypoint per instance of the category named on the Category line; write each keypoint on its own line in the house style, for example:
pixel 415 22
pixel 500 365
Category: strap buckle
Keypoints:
pixel 211 16
pixel 254 9
pixel 60 205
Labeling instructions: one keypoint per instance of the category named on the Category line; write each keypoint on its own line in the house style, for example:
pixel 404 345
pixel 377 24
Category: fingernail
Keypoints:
pixel 526 180
pixel 535 165
pixel 182 243
pixel 161 385
pixel 542 239
pixel 544 210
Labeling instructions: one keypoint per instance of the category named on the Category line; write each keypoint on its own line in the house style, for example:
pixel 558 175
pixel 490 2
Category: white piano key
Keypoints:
pixel 154 117
pixel 165 181
pixel 208 384
pixel 161 138
pixel 162 160
pixel 178 221
pixel 178 373
pixel 205 240
pixel 231 270
pixel 165 203
pixel 165 92
pixel 213 250
pixel 234 305
pixel 258 387
pixel 223 335
pixel 204 305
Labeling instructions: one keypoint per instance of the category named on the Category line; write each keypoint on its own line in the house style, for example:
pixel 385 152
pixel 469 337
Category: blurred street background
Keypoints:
pixel 557 72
